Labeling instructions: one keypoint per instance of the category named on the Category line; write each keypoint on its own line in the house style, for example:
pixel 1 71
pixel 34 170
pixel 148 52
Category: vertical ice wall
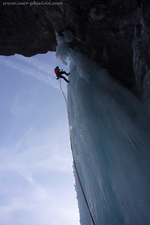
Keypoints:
pixel 110 133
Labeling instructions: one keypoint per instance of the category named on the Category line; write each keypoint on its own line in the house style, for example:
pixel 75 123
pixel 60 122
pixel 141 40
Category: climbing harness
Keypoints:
pixel 74 163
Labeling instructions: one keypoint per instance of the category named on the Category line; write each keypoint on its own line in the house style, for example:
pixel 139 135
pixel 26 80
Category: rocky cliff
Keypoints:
pixel 113 32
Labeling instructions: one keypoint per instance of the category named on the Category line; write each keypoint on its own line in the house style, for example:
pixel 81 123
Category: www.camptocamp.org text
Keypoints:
pixel 32 3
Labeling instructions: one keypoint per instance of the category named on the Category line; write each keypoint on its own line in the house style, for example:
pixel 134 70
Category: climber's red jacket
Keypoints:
pixel 56 70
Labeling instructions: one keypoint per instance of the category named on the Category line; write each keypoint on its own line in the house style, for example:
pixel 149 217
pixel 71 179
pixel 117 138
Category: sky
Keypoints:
pixel 36 174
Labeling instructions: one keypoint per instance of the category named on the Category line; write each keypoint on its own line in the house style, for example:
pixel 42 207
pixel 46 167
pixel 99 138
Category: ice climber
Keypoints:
pixel 59 73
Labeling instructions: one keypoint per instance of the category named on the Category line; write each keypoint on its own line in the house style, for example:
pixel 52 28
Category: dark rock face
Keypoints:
pixel 113 32
pixel 25 30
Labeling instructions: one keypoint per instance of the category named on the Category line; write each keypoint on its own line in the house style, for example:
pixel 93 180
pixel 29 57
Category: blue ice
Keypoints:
pixel 111 144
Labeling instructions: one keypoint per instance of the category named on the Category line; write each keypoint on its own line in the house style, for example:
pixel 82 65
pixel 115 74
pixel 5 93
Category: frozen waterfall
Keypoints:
pixel 110 133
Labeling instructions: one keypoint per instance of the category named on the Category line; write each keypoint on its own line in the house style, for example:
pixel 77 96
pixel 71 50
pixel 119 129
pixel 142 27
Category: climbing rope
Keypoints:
pixel 74 163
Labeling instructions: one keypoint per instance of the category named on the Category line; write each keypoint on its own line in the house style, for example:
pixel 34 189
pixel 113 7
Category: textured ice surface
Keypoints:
pixel 110 133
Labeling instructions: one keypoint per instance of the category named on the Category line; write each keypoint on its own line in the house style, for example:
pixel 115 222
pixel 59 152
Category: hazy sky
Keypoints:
pixel 36 177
